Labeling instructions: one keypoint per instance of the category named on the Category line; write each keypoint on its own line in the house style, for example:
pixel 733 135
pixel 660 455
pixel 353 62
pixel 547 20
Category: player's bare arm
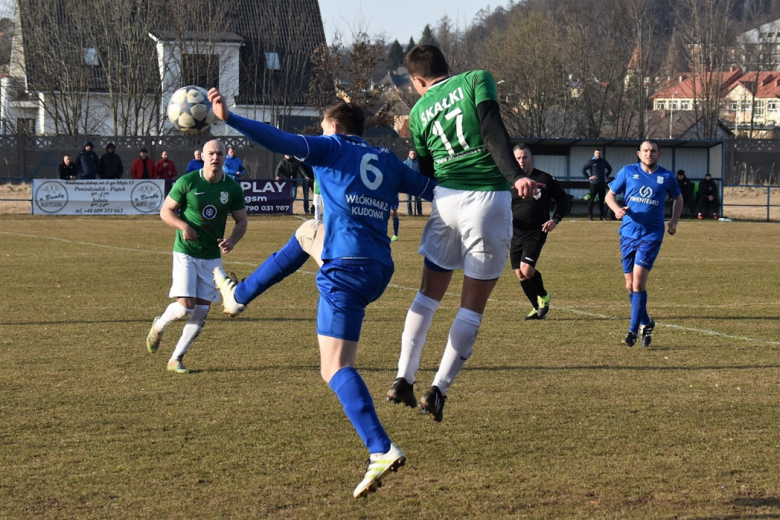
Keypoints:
pixel 677 207
pixel 218 104
pixel 169 216
pixel 620 211
pixel 226 245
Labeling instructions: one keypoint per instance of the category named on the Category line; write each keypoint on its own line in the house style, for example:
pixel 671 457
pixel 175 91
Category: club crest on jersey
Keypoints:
pixel 660 180
pixel 636 176
pixel 209 212
pixel 224 197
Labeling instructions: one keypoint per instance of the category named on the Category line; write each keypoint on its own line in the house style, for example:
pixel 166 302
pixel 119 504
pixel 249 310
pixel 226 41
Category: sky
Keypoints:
pixel 397 19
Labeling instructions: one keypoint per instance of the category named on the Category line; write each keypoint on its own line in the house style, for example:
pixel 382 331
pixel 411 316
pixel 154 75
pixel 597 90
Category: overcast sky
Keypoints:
pixel 397 19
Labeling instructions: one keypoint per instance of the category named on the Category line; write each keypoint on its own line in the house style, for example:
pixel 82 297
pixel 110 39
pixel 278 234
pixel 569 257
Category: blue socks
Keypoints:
pixel 396 223
pixel 276 268
pixel 639 314
pixel 359 407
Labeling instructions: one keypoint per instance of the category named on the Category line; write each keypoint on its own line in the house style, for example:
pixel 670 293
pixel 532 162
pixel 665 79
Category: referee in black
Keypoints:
pixel 531 222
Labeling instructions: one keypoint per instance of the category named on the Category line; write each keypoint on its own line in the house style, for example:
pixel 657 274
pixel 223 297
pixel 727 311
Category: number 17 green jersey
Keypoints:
pixel 445 125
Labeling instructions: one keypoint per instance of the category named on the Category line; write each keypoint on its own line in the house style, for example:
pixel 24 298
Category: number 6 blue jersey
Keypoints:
pixel 358 184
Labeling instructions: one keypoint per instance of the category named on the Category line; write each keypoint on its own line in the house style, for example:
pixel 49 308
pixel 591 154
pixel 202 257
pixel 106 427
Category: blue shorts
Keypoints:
pixel 638 251
pixel 346 288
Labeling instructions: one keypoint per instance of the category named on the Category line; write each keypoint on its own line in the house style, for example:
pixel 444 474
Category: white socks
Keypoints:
pixel 418 321
pixel 463 333
pixel 191 330
pixel 173 312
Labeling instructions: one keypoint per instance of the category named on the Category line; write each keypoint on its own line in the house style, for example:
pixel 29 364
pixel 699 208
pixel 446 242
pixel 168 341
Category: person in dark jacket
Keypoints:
pixel 531 223
pixel 67 169
pixel 597 170
pixel 111 166
pixel 88 164
pixel 686 189
pixel 708 197
pixel 291 168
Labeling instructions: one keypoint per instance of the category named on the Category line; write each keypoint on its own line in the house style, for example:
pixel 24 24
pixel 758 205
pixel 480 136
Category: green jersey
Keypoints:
pixel 445 125
pixel 205 206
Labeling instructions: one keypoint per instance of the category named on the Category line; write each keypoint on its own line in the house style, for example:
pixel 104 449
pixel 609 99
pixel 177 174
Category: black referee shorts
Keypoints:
pixel 526 247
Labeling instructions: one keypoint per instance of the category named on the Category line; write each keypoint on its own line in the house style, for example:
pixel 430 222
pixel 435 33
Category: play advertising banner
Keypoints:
pixel 266 196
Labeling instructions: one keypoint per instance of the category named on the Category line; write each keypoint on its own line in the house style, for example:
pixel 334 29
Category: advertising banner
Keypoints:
pixel 97 197
pixel 267 196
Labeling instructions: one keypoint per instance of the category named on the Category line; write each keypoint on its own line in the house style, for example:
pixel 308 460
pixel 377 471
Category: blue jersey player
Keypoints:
pixel 358 184
pixel 645 187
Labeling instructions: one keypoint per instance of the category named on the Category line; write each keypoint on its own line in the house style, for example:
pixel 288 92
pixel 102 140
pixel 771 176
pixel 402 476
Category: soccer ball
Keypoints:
pixel 190 110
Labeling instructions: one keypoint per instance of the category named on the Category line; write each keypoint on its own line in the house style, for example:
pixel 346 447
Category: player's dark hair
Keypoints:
pixel 426 61
pixel 651 141
pixel 522 148
pixel 349 116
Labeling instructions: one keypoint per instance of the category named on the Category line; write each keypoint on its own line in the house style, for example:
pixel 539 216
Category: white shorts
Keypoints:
pixel 469 230
pixel 194 277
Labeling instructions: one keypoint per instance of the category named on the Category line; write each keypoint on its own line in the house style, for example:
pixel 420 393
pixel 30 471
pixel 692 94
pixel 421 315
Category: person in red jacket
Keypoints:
pixel 143 167
pixel 166 169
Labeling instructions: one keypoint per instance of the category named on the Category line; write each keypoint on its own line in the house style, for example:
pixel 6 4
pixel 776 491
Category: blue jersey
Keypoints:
pixel 645 195
pixel 358 184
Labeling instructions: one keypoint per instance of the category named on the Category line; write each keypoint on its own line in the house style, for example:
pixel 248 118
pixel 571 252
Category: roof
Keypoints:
pixel 692 85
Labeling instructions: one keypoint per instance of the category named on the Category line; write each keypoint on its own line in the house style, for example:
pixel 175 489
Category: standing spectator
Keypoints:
pixel 531 223
pixel 686 189
pixel 166 169
pixel 708 197
pixel 67 169
pixel 414 164
pixel 143 167
pixel 196 163
pixel 645 186
pixel 233 165
pixel 597 170
pixel 289 168
pixel 110 164
pixel 307 183
pixel 197 208
pixel 89 163
pixel 470 226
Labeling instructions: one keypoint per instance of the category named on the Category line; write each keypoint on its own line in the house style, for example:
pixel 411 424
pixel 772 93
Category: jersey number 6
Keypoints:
pixel 366 168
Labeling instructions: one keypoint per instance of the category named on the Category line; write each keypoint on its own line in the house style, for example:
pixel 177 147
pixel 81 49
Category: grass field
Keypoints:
pixel 550 419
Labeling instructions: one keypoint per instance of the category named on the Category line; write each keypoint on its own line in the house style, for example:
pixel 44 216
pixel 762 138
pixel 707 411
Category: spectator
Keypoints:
pixel 597 171
pixel 233 167
pixel 67 169
pixel 89 163
pixel 686 188
pixel 166 169
pixel 196 163
pixel 110 164
pixel 308 184
pixel 143 167
pixel 414 164
pixel 290 168
pixel 708 197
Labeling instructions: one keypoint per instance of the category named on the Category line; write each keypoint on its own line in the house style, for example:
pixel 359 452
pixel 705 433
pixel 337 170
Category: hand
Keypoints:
pixel 225 245
pixel 621 212
pixel 672 227
pixel 189 234
pixel 592 178
pixel 548 226
pixel 218 104
pixel 525 187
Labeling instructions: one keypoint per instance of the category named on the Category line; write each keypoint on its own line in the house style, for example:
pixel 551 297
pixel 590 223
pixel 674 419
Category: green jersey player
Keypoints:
pixel 203 198
pixel 462 142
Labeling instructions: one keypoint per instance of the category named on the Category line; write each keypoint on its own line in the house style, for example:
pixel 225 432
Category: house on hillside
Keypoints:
pixel 112 72
pixel 748 100
pixel 759 48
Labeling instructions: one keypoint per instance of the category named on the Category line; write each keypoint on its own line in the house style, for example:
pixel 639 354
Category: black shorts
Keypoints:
pixel 526 248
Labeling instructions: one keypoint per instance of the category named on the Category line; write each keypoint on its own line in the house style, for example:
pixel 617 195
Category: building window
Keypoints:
pixel 733 106
pixel 771 106
pixel 745 107
pixel 272 61
pixel 759 108
pixel 674 105
pixel 660 105
pixel 91 56
pixel 200 69
pixel 25 126
pixel 686 105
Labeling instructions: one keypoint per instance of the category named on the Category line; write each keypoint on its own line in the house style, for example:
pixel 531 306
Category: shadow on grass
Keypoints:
pixel 772 502
pixel 500 368
pixel 148 321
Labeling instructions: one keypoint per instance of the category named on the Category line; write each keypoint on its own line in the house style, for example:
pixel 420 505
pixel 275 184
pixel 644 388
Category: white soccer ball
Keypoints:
pixel 189 110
